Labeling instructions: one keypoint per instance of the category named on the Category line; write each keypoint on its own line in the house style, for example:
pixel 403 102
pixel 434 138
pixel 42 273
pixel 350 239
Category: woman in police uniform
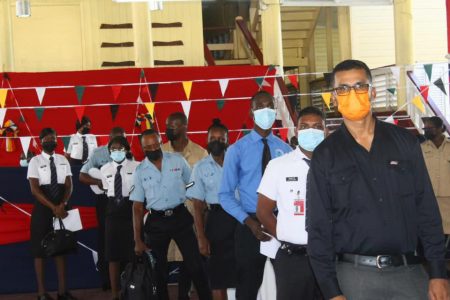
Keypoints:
pixel 117 180
pixel 51 184
pixel 214 227
pixel 82 143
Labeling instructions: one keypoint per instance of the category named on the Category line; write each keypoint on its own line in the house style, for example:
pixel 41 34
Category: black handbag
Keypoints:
pixel 138 280
pixel 59 241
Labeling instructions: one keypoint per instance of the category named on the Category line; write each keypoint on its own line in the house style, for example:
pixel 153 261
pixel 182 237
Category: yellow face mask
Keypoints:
pixel 353 106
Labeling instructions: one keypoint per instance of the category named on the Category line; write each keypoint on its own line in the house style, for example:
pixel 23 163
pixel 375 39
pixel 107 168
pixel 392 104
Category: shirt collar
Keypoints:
pixel 78 134
pixel 256 136
pixel 212 161
pixel 47 156
pixel 298 154
pixel 123 164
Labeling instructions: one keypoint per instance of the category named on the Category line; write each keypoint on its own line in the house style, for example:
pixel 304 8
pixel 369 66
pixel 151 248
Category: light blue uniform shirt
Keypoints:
pixel 242 171
pixel 206 176
pixel 99 158
pixel 163 189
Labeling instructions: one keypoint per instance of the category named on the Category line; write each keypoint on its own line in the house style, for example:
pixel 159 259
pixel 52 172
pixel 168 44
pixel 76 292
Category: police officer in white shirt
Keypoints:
pixel 51 184
pixel 82 143
pixel 117 180
pixel 283 186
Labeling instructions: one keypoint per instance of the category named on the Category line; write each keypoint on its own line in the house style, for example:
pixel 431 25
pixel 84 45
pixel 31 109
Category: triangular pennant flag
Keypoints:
pixel 390 119
pixel 440 84
pixel 39 112
pixel 40 91
pixel 417 101
pixel 186 107
pixel 2 116
pixel 187 86
pixel 142 75
pixel 220 104
pixel 265 83
pixel 153 90
pixel 116 91
pixel 326 98
pixel 25 141
pixel 428 69
pixel 283 133
pixel 392 90
pixel 114 109
pixel 66 141
pixel 396 73
pixel 150 108
pixel 80 92
pixel 139 99
pixel 259 81
pixel 223 85
pixel 3 93
pixel 21 119
pixel 294 80
pixel 424 89
pixel 395 121
pixel 79 110
pixel 271 67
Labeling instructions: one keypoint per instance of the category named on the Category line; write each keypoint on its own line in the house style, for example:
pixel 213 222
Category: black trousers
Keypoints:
pixel 102 264
pixel 159 230
pixel 250 263
pixel 294 277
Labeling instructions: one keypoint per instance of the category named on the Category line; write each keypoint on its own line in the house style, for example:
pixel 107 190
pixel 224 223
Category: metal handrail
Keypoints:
pixel 241 24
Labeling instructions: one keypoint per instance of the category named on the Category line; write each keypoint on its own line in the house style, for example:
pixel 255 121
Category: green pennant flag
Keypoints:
pixel 245 131
pixel 428 69
pixel 142 73
pixel 259 80
pixel 39 112
pixel 114 109
pixel 80 91
pixel 66 140
pixel 271 67
pixel 392 90
pixel 220 104
pixel 21 119
pixel 440 84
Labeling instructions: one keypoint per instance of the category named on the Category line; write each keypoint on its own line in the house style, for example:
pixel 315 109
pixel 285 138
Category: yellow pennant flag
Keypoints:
pixel 417 101
pixel 150 107
pixel 187 85
pixel 326 98
pixel 3 93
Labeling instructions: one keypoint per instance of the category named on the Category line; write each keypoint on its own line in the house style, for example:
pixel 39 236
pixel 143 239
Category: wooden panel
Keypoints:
pixel 128 63
pixel 295 16
pixel 169 62
pixel 117 26
pixel 117 45
pixel 293 43
pixel 172 43
pixel 299 25
pixel 294 35
pixel 167 25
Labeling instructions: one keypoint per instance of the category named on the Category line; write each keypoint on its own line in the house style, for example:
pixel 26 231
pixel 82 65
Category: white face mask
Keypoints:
pixel 23 163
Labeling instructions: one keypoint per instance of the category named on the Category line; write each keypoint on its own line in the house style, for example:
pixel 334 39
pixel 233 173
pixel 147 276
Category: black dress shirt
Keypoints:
pixel 370 202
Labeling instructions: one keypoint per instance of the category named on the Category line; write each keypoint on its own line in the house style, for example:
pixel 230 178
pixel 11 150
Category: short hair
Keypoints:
pixel 84 121
pixel 117 131
pixel 350 64
pixel 46 131
pixel 120 140
pixel 148 132
pixel 436 121
pixel 261 94
pixel 217 124
pixel 311 110
pixel 179 116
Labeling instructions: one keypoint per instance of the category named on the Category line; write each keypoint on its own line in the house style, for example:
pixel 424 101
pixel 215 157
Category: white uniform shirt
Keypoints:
pixel 109 171
pixel 284 181
pixel 39 167
pixel 75 148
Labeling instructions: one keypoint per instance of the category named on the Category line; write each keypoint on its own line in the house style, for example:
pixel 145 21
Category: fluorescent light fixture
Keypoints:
pixel 23 9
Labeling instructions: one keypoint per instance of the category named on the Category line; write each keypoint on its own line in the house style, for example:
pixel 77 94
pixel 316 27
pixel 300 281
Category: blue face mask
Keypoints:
pixel 264 118
pixel 310 138
pixel 118 156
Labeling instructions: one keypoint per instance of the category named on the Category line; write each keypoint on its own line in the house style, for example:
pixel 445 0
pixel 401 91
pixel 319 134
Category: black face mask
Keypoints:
pixel 85 130
pixel 154 155
pixel 49 147
pixel 217 148
pixel 170 134
pixel 429 135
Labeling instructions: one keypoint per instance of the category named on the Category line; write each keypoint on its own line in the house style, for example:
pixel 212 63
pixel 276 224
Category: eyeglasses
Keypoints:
pixel 360 88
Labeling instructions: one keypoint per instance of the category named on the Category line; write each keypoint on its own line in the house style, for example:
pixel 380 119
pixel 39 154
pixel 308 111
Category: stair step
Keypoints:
pixel 226 62
pixel 218 47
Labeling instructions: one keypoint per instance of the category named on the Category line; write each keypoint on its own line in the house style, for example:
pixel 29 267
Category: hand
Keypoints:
pixel 438 289
pixel 341 297
pixel 257 229
pixel 59 210
pixel 203 246
pixel 140 247
pixel 100 184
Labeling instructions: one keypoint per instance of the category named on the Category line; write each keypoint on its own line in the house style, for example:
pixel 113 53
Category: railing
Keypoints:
pixel 242 25
pixel 209 58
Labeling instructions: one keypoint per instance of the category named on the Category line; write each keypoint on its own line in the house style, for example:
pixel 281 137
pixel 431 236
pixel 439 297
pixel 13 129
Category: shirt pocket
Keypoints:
pixel 109 178
pixel 128 182
pixel 77 150
pixel 401 177
pixel 61 171
pixel 44 175
pixel 343 186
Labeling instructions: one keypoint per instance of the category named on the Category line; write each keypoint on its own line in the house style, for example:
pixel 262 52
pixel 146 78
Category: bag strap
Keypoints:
pixel 61 224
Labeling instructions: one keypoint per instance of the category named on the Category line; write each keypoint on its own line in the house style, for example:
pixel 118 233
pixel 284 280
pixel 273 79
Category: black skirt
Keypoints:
pixel 221 264
pixel 119 243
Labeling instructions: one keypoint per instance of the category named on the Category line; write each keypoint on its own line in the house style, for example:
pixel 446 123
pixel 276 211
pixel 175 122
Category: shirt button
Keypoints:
pixel 374 179
pixel 381 199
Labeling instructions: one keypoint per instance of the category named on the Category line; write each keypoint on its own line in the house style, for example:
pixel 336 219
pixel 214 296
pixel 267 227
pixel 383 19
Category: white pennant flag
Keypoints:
pixel 2 116
pixel 40 91
pixel 25 141
pixel 390 119
pixel 139 99
pixel 265 83
pixel 186 107
pixel 396 72
pixel 223 85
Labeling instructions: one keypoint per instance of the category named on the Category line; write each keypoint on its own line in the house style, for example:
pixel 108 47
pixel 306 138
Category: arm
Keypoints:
pixel 267 197
pixel 199 222
pixel 138 216
pixel 68 187
pixel 84 176
pixel 264 211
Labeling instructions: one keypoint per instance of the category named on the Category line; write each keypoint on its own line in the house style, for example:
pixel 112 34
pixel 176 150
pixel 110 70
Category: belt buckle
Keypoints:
pixel 378 261
pixel 168 213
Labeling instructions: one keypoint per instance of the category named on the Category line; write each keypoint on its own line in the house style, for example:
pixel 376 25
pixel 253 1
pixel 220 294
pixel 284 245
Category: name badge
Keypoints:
pixel 291 179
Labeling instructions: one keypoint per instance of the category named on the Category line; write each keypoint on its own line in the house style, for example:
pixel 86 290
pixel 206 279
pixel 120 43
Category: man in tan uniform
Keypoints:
pixel 436 151
pixel 178 142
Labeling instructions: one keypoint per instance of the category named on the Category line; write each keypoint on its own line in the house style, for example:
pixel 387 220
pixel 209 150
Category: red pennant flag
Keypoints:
pixel 79 110
pixel 116 91
pixel 294 80
pixel 145 92
pixel 283 133
pixel 395 121
pixel 424 91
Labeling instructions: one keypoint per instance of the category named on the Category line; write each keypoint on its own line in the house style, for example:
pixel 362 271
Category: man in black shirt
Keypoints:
pixel 369 201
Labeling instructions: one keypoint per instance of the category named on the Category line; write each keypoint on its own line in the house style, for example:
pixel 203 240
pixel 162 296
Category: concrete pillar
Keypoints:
pixel 142 31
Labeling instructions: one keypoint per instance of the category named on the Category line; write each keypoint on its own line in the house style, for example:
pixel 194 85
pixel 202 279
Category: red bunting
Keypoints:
pixel 424 89
pixel 79 110
pixel 116 91
pixel 294 80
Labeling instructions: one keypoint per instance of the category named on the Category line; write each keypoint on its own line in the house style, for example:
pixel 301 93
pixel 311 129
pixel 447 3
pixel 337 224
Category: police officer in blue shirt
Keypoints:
pixel 160 181
pixel 245 162
pixel 214 227
pixel 100 157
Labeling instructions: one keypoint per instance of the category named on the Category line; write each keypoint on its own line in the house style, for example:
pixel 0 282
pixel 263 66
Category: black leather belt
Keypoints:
pixel 167 212
pixel 290 248
pixel 381 261
pixel 215 207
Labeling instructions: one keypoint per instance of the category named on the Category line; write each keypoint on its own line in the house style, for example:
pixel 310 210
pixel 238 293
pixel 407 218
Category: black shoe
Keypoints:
pixel 45 297
pixel 66 296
